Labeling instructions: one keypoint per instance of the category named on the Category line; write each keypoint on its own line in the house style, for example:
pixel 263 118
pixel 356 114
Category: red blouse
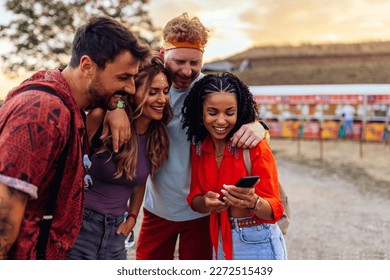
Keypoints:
pixel 207 177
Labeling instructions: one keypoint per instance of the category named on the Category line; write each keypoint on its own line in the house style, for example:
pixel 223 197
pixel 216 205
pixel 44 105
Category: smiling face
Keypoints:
pixel 184 64
pixel 220 114
pixel 155 99
pixel 114 81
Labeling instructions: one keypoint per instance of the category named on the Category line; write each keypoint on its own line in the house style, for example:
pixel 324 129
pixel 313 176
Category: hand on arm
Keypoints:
pixel 117 123
pixel 12 206
pixel 249 135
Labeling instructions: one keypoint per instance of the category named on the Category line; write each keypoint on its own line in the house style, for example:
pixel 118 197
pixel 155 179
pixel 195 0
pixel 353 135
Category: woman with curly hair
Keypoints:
pixel 242 220
pixel 118 179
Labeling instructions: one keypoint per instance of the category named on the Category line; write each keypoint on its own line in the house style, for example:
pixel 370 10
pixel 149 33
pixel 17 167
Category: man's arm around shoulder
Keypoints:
pixel 12 206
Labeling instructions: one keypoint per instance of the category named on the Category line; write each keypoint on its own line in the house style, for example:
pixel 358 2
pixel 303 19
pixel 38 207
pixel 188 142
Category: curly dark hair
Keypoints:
pixel 192 110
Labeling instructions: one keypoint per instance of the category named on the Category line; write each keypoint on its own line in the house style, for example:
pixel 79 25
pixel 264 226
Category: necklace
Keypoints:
pixel 219 149
pixel 218 158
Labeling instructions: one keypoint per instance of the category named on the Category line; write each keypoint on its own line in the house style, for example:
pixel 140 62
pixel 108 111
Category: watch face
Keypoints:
pixel 259 203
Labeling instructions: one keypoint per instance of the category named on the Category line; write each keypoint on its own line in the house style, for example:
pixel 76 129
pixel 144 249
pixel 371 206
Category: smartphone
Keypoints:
pixel 247 182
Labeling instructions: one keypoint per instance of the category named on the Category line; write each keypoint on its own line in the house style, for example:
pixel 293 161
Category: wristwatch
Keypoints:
pixel 258 204
pixel 266 127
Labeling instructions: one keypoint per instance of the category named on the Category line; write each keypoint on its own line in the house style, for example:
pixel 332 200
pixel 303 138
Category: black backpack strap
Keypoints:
pixel 45 223
pixel 43 88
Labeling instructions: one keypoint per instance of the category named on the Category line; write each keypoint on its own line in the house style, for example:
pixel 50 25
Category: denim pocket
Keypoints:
pixel 259 234
pixel 123 236
pixel 261 242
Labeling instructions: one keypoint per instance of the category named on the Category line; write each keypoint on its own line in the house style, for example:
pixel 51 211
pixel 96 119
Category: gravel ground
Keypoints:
pixel 339 196
pixel 340 209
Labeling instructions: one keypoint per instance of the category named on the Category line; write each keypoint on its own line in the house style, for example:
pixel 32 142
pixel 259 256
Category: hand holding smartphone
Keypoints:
pixel 247 182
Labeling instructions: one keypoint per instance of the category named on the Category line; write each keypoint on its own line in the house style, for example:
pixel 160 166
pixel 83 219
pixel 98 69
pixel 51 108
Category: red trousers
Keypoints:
pixel 157 239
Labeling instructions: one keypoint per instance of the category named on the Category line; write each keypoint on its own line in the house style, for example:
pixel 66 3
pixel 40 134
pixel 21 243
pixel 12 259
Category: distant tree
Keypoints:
pixel 41 31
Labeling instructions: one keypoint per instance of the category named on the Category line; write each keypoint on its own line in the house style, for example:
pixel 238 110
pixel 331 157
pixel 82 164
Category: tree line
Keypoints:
pixel 41 31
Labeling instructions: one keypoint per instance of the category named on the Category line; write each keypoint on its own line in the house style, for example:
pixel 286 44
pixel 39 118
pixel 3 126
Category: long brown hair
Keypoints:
pixel 158 142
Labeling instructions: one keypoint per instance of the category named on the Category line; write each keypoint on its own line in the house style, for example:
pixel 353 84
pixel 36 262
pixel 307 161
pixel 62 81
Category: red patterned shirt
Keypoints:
pixel 34 128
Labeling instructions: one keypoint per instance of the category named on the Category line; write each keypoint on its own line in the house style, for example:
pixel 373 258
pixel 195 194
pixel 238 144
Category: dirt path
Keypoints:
pixel 339 211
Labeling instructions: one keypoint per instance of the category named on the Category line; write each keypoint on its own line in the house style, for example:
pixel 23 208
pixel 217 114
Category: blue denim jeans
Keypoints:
pixel 97 239
pixel 348 128
pixel 261 242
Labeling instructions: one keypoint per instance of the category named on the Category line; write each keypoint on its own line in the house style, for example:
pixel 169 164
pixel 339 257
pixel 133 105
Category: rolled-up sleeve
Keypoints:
pixel 20 185
pixel 264 165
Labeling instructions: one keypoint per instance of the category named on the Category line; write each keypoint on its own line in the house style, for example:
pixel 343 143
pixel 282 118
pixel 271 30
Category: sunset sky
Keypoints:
pixel 237 25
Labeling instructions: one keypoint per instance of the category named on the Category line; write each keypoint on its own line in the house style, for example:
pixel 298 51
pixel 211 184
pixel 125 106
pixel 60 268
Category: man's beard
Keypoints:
pixel 98 100
pixel 101 100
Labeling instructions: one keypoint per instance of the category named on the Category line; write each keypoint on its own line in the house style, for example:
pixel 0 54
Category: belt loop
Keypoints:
pixel 88 214
pixel 236 226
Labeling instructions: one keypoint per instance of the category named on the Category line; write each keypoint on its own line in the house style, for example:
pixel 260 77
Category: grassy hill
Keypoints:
pixel 316 64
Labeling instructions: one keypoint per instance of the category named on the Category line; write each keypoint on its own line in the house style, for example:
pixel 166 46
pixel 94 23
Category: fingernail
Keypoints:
pixel 226 187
